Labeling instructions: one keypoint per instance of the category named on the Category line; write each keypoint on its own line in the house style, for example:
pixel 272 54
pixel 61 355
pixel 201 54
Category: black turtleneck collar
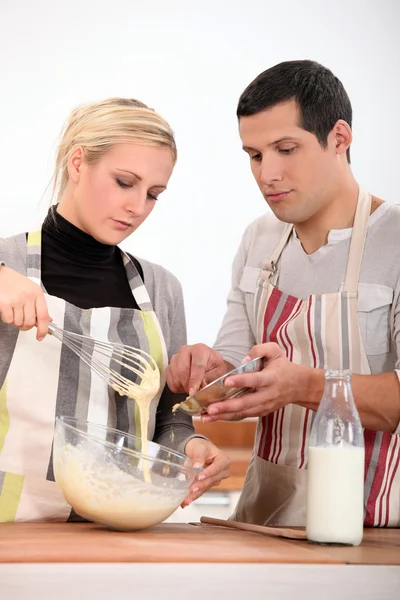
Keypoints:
pixel 75 243
pixel 81 270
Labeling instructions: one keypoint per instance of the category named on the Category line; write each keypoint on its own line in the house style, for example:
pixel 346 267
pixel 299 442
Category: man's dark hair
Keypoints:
pixel 320 96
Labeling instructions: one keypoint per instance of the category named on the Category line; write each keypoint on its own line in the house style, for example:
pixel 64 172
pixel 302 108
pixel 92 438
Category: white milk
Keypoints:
pixel 335 497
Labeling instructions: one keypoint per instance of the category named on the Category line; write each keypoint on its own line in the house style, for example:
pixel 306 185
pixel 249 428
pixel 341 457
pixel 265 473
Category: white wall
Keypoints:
pixel 190 60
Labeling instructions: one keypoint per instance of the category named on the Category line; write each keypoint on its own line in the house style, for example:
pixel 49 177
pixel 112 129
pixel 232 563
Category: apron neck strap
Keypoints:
pixel 34 256
pixel 270 265
pixel 357 242
pixel 137 286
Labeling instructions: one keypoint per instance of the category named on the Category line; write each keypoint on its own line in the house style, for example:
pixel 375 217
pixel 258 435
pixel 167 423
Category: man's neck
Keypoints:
pixel 339 213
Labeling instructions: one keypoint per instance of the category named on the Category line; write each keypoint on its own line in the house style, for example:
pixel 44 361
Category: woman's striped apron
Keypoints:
pixel 323 332
pixel 39 381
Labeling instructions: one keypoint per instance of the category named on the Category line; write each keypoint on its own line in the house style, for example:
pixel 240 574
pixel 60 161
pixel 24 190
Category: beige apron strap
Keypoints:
pixel 357 241
pixel 33 257
pixel 269 267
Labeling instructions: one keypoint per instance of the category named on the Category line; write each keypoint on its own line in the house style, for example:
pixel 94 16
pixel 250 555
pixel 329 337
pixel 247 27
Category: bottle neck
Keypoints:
pixel 337 421
pixel 338 388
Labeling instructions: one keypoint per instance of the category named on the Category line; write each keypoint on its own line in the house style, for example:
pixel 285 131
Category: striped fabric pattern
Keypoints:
pixel 47 380
pixel 323 332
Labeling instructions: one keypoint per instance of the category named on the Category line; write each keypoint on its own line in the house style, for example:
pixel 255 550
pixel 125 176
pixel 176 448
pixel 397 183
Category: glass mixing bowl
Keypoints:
pixel 106 478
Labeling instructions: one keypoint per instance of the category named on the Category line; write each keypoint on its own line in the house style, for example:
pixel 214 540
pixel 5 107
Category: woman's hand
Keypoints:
pixel 204 454
pixel 22 302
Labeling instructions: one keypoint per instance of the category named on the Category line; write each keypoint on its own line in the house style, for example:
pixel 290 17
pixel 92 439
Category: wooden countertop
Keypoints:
pixel 177 543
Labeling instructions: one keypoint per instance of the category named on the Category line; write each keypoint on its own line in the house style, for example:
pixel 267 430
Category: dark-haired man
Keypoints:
pixel 316 285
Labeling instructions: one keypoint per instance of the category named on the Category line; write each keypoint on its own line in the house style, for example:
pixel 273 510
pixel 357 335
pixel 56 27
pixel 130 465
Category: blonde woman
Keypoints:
pixel 114 160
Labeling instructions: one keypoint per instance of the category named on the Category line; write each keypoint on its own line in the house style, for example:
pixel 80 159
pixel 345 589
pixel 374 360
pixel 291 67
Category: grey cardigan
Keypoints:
pixel 166 296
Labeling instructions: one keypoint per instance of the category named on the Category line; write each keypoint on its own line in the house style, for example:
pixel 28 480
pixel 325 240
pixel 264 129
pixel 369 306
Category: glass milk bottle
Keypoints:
pixel 335 494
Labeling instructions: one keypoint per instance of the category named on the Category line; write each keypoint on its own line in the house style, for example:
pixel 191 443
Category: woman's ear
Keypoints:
pixel 75 160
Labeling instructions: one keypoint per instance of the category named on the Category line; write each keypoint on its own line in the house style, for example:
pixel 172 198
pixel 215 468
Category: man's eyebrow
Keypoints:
pixel 285 138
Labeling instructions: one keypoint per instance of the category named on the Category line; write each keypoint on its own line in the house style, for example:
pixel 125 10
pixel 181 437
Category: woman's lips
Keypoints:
pixel 122 225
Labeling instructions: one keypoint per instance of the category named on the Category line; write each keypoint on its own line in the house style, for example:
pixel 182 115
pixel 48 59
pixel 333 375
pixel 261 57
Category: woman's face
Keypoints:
pixel 112 197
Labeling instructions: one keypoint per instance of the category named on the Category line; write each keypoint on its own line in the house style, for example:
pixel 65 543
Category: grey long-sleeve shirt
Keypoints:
pixel 322 272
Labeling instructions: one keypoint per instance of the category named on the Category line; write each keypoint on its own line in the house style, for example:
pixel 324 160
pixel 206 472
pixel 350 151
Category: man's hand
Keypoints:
pixel 276 385
pixel 193 367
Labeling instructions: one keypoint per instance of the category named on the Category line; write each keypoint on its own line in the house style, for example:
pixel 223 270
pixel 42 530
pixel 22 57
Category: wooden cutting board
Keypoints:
pixel 87 542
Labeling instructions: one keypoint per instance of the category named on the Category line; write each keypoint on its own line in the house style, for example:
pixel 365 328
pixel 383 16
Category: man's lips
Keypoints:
pixel 276 196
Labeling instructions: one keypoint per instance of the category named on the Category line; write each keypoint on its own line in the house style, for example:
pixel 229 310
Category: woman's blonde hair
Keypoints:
pixel 100 125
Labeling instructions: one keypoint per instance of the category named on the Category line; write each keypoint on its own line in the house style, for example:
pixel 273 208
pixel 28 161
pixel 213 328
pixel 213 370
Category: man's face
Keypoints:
pixel 295 174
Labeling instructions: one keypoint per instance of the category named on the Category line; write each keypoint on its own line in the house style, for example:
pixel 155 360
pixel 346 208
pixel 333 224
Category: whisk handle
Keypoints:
pixel 52 328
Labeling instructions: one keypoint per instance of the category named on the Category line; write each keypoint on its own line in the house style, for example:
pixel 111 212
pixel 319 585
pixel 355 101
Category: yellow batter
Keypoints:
pixel 101 492
pixel 143 394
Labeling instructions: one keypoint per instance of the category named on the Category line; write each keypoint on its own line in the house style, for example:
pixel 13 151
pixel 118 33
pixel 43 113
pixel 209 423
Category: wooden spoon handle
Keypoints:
pixel 285 532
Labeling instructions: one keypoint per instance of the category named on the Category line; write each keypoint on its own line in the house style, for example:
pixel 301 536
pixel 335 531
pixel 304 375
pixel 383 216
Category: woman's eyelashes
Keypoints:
pixel 128 184
pixel 123 184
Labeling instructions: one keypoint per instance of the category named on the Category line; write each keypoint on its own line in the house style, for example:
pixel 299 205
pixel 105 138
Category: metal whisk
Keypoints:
pixel 90 351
